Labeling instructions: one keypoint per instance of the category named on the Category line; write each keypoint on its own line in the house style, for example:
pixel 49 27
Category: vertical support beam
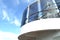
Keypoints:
pixel 38 4
pixel 27 14
pixel 39 9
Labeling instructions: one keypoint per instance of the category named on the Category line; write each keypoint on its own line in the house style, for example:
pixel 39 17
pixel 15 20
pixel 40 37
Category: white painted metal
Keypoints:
pixel 43 24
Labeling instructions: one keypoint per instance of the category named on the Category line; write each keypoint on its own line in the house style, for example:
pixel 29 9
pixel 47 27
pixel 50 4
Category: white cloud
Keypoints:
pixel 16 22
pixel 16 2
pixel 8 36
pixel 28 1
pixel 5 15
pixel 25 1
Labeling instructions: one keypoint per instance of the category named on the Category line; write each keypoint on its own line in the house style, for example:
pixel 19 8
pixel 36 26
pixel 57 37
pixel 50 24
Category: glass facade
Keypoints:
pixel 32 15
pixel 49 9
pixel 24 17
pixel 58 3
pixel 33 9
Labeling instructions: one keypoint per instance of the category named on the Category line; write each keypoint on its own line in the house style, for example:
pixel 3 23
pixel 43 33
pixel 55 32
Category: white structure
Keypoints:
pixel 43 29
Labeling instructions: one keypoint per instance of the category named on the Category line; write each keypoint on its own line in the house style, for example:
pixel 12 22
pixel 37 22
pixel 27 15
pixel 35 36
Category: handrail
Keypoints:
pixel 43 11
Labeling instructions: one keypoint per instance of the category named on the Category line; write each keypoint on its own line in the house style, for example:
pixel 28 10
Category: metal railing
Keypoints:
pixel 57 15
pixel 47 10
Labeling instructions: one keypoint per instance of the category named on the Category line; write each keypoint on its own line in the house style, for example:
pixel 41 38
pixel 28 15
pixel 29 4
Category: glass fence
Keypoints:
pixel 52 10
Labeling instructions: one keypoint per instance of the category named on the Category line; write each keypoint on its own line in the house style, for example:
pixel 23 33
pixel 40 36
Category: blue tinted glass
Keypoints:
pixel 24 17
pixel 33 15
pixel 58 3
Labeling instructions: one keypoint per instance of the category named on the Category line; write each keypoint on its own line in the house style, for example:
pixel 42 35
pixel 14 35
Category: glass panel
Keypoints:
pixel 49 9
pixel 33 9
pixel 24 17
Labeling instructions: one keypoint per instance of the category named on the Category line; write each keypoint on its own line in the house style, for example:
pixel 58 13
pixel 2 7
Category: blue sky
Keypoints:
pixel 10 18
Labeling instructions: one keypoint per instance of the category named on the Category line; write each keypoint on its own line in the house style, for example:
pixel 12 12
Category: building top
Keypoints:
pixel 49 9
